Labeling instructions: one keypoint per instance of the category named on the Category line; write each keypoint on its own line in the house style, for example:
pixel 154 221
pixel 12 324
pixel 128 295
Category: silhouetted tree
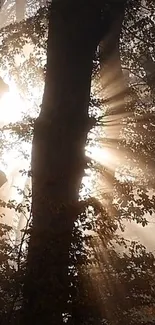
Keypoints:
pixel 58 284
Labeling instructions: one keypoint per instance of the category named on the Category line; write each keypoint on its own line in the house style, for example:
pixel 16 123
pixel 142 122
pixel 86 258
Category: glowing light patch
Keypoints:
pixel 11 105
pixel 104 156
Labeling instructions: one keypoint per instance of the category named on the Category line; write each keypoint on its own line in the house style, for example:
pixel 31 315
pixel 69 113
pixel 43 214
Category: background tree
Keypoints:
pixel 20 10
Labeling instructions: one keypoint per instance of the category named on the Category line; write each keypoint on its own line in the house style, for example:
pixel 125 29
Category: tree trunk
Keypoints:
pixel 20 10
pixel 1 3
pixel 58 158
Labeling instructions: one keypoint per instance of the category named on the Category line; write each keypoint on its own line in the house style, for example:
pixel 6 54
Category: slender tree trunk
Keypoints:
pixel 58 157
pixel 20 10
pixel 1 3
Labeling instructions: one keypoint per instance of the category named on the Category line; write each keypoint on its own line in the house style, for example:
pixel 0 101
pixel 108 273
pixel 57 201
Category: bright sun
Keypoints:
pixel 103 156
pixel 11 105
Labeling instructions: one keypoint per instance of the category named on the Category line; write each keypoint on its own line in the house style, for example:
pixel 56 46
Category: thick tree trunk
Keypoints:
pixel 58 158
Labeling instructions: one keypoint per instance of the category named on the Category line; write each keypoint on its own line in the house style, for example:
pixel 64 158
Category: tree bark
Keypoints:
pixel 58 158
